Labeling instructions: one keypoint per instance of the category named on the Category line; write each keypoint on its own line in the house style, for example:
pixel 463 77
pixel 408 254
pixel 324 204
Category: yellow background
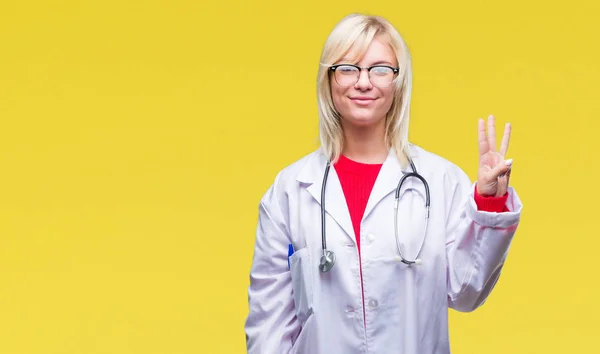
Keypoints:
pixel 136 138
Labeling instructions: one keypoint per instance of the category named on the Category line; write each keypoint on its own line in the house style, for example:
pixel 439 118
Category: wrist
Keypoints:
pixel 490 203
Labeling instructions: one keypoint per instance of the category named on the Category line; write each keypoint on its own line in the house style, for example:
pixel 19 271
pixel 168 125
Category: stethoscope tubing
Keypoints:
pixel 328 257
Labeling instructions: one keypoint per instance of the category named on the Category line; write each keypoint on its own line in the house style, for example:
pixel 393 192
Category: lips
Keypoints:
pixel 362 100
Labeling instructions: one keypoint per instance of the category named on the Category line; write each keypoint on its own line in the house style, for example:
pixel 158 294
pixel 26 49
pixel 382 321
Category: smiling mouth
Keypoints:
pixel 362 100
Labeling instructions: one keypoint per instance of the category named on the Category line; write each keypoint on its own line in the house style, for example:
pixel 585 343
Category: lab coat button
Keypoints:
pixel 371 237
pixel 349 309
pixel 373 303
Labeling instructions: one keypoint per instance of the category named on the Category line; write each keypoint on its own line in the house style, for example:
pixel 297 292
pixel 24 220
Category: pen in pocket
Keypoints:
pixel 290 253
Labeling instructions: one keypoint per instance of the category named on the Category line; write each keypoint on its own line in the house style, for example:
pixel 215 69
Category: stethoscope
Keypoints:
pixel 328 257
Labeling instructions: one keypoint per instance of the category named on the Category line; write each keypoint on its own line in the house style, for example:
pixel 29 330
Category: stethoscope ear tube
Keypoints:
pixel 414 173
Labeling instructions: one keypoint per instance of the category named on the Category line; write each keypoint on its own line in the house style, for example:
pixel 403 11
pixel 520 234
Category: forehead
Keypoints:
pixel 378 51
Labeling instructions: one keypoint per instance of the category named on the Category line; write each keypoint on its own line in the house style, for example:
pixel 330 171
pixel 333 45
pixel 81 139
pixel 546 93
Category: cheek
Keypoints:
pixel 388 99
pixel 338 96
pixel 387 103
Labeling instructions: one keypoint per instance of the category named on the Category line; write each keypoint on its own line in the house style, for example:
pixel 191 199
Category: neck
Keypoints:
pixel 365 144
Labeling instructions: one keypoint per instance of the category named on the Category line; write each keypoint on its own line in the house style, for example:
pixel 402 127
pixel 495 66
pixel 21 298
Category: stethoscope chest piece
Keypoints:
pixel 327 261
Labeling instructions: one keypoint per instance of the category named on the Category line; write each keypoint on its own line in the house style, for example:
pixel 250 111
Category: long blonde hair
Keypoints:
pixel 358 30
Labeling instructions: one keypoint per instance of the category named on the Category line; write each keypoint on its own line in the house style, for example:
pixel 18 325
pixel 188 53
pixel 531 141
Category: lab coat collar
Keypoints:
pixel 311 177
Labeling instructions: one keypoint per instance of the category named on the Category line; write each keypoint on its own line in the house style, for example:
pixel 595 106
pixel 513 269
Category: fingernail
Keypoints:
pixel 508 162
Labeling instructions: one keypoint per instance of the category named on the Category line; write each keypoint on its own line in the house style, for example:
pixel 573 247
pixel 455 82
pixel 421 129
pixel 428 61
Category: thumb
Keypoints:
pixel 500 169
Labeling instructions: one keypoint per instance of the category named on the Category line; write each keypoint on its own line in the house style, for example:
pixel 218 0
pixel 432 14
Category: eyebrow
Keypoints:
pixel 379 62
pixel 382 62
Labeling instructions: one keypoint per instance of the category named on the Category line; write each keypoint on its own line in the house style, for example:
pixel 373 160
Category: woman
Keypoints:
pixel 385 288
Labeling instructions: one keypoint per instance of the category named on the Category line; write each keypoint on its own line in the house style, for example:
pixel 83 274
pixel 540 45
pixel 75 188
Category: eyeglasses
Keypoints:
pixel 347 75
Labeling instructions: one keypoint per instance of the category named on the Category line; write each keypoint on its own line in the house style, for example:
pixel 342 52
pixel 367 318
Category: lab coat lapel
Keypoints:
pixel 311 177
pixel 386 182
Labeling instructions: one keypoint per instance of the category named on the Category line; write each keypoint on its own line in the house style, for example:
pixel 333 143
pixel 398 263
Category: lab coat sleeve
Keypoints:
pixel 271 325
pixel 477 242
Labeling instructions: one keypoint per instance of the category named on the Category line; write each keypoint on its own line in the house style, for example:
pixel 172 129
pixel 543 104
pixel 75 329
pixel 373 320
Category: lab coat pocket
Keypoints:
pixel 302 283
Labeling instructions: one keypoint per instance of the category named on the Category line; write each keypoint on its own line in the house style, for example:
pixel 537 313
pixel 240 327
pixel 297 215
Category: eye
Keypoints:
pixel 346 70
pixel 381 70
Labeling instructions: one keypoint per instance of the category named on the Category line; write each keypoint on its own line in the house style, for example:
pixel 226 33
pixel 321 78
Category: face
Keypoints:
pixel 364 104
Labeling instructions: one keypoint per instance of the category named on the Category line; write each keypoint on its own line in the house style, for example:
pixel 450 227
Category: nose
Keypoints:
pixel 363 83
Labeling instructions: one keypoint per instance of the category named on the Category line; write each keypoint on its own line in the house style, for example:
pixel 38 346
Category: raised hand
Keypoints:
pixel 494 170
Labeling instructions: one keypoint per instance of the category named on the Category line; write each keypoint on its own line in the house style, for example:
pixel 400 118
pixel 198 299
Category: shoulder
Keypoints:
pixel 295 170
pixel 434 164
pixel 287 179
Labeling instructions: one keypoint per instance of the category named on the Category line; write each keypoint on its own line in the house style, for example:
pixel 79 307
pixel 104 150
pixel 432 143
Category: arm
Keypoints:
pixel 481 225
pixel 271 325
pixel 477 244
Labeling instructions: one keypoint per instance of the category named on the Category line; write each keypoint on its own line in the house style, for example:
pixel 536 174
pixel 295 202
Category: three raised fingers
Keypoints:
pixel 487 141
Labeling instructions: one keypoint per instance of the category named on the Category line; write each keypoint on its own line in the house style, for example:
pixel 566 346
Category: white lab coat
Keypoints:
pixel 301 310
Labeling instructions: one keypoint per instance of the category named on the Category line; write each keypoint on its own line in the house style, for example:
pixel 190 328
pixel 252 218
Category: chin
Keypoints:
pixel 363 118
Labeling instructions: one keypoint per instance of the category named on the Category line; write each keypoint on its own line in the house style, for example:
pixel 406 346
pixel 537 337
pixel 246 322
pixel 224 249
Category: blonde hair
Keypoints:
pixel 358 30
